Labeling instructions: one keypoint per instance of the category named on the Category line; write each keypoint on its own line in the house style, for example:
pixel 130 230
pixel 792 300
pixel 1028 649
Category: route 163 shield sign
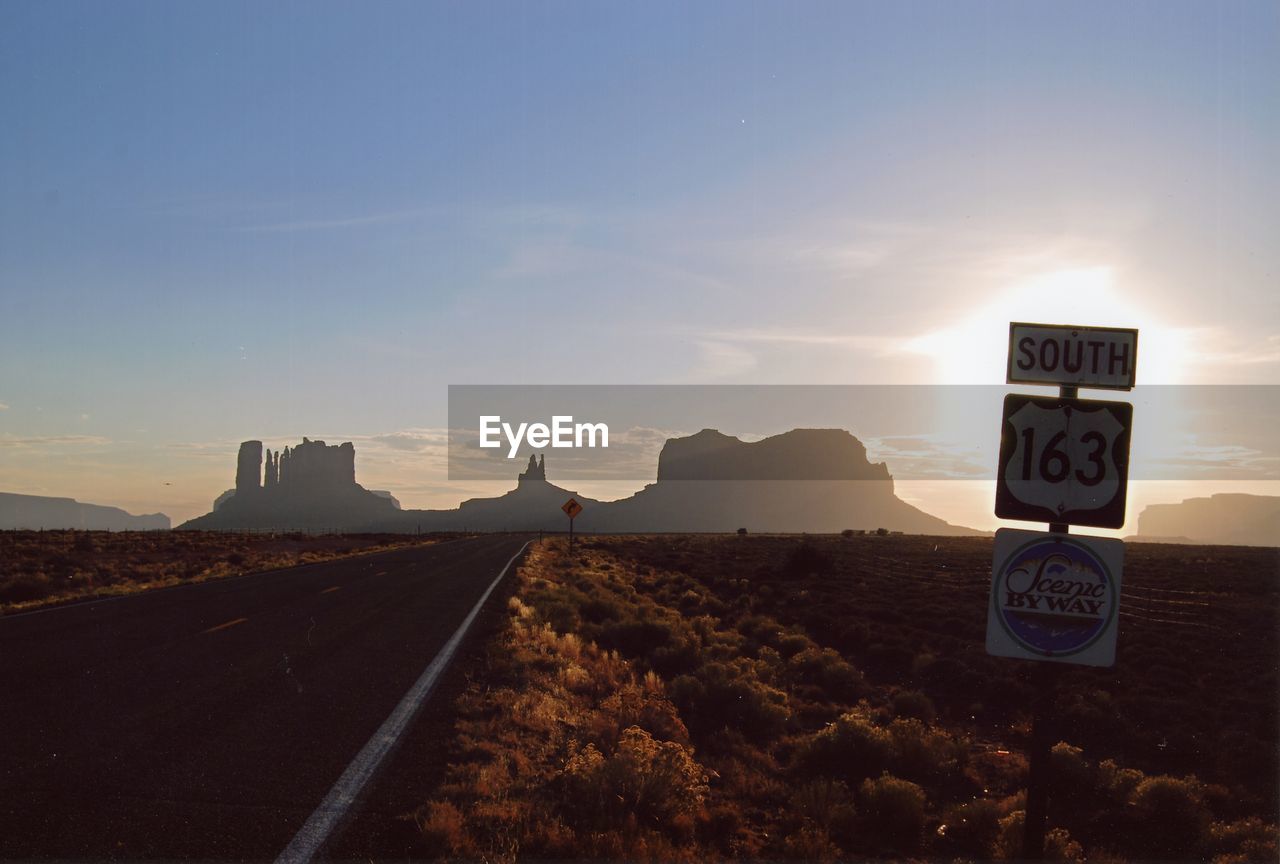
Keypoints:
pixel 1064 460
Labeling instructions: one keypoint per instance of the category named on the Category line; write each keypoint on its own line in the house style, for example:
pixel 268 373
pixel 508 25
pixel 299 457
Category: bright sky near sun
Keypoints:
pixel 223 221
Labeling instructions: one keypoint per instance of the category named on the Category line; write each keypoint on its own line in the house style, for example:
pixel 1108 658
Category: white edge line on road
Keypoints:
pixel 315 832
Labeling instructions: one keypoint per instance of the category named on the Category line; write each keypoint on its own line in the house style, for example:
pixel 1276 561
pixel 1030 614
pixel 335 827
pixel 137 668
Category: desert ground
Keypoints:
pixel 716 697
pixel 815 698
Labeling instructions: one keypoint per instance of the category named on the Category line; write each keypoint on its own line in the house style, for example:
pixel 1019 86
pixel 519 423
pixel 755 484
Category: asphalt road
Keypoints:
pixel 209 721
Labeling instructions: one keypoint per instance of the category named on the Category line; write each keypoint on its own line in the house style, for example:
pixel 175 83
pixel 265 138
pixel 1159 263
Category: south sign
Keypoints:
pixel 1054 597
pixel 1064 355
pixel 1064 460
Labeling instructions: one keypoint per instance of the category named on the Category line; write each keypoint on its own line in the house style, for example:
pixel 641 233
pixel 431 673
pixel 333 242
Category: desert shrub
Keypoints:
pixel 443 829
pixel 848 532
pixel 913 703
pixel 676 658
pixel 1117 783
pixel 790 644
pixel 853 747
pixel 810 843
pixel 882 532
pixel 972 828
pixel 1058 845
pixel 926 754
pixel 659 782
pixel 1169 817
pixel 25 587
pixel 1091 716
pixel 730 695
pixel 893 812
pixel 724 828
pixel 760 630
pixel 742 532
pixel 635 637
pixel 1002 772
pixel 825 668
pixel 642 706
pixel 690 601
pixel 562 615
pixel 599 609
pixel 807 559
pixel 1245 840
pixel 1073 781
pixel 825 801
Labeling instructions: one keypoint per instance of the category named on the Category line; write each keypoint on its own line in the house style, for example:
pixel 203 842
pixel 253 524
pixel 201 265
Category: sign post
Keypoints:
pixel 1065 461
pixel 571 509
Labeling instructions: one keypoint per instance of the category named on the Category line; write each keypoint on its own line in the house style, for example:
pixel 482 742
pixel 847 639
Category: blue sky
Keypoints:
pixel 222 221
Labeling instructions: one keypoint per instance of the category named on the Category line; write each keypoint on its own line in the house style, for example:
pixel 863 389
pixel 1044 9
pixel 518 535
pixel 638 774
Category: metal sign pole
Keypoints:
pixel 571 509
pixel 1037 812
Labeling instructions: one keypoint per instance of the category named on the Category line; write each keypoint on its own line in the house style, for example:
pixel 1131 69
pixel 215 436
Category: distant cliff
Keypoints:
pixel 36 512
pixel 814 480
pixel 1229 519
pixel 311 486
pixel 801 454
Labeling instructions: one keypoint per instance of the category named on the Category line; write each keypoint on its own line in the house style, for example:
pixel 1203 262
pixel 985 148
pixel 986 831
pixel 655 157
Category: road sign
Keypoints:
pixel 1055 597
pixel 1063 355
pixel 1064 460
pixel 571 507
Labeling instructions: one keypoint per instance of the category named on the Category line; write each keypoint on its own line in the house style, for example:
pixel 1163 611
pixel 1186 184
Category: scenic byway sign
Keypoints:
pixel 1063 355
pixel 1054 597
pixel 1064 460
pixel 571 508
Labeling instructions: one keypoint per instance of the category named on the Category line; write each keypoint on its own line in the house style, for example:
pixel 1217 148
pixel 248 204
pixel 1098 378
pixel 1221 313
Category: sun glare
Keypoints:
pixel 975 350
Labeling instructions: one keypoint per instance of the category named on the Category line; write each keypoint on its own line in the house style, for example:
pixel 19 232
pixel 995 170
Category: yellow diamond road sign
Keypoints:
pixel 571 507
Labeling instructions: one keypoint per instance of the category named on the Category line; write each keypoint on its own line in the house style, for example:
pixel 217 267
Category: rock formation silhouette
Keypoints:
pixel 537 470
pixel 249 467
pixel 35 512
pixel 308 486
pixel 814 480
pixel 1228 518
pixel 272 478
pixel 805 480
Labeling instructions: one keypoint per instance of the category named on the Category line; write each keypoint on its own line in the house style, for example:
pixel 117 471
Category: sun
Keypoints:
pixel 975 350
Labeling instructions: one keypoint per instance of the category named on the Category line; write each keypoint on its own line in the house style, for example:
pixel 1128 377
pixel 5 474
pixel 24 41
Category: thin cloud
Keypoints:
pixel 558 254
pixel 927 457
pixel 53 440
pixel 411 440
pixel 329 224
pixel 722 360
pixel 1207 342
pixel 791 336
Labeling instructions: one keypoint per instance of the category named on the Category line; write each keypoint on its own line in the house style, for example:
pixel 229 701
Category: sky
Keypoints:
pixel 223 221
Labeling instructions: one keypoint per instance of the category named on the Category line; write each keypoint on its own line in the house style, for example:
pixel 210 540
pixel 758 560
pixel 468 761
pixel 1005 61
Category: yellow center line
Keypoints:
pixel 225 626
pixel 330 590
